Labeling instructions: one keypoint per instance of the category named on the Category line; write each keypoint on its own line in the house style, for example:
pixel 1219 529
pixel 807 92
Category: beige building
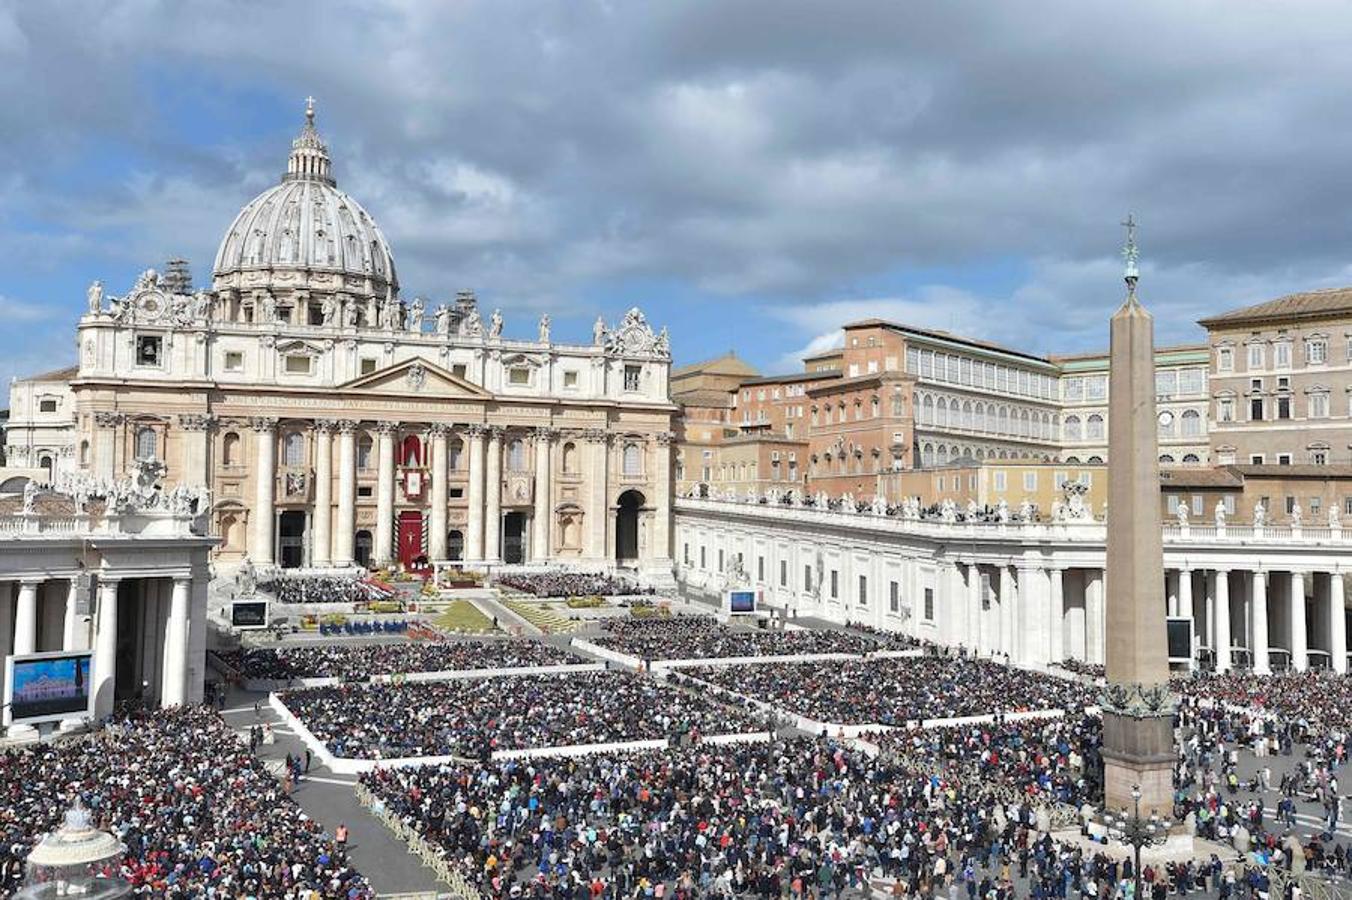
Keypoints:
pixel 337 424
pixel 1281 381
pixel 41 424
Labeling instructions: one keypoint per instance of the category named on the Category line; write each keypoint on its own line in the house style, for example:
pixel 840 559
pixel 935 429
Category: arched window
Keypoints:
pixel 146 443
pixel 1072 428
pixel 230 449
pixel 457 453
pixel 1023 423
pixel 410 451
pixel 979 411
pixel 1094 427
pixel 570 458
pixel 875 407
pixel 1190 459
pixel 293 449
pixel 927 411
pixel 1002 425
pixel 84 453
pixel 1166 427
pixel 941 413
pixel 516 456
pixel 633 460
pixel 46 464
pixel 1166 459
pixel 927 455
pixel 1073 460
pixel 967 414
pixel 1192 423
pixel 364 452
pixel 1094 461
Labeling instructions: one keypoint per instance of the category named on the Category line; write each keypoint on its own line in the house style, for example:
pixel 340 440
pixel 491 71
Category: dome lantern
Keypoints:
pixel 309 157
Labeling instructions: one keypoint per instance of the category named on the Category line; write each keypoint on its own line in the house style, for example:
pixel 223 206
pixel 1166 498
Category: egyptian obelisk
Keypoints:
pixel 1137 709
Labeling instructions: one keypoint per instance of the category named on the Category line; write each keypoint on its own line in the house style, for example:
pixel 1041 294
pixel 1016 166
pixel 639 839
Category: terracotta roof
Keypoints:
pixel 728 364
pixel 1309 304
pixel 946 336
pixel 1300 471
pixel 65 374
pixel 792 377
pixel 1220 477
pixel 703 397
pixel 1103 354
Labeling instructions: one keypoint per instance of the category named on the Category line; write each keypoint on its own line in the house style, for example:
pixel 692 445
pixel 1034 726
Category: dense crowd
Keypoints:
pixel 1319 701
pixel 895 691
pixel 320 589
pixel 473 717
pixel 359 661
pixel 198 814
pixel 703 637
pixel 563 583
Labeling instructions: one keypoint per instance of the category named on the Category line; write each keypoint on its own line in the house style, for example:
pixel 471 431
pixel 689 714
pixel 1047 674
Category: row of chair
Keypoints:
pixel 363 628
pixel 418 846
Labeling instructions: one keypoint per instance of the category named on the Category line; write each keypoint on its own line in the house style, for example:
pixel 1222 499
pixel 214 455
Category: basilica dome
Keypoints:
pixel 304 233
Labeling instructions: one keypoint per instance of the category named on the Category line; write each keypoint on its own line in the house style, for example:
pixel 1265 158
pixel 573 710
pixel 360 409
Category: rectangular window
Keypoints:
pixel 459 370
pixel 1319 457
pixel 234 361
pixel 368 366
pixel 1000 480
pixel 701 558
pixel 1283 407
pixel 685 553
pixel 1191 381
pixel 632 374
pixel 1197 507
pixel 835 585
pixel 720 561
pixel 570 379
pixel 1255 356
pixel 1256 459
pixel 1281 355
pixel 1171 503
pixel 299 364
pixel 807 578
pixel 1316 353
pixel 1030 481
pixel 783 573
pixel 46 406
pixel 1316 503
pixel 1256 409
pixel 1347 506
pixel 148 350
pixel 1225 359
pixel 863 590
pixel 894 595
pixel 1319 406
pixel 364 491
pixel 1225 409
pixel 518 375
pixel 929 604
pixel 1283 459
pixel 1290 505
pixel 455 493
pixel 1096 387
pixel 1166 383
pixel 760 568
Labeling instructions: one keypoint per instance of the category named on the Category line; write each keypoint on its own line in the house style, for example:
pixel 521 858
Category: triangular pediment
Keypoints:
pixel 415 378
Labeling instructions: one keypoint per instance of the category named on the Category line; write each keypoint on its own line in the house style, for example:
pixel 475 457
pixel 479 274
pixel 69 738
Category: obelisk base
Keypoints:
pixel 1138 752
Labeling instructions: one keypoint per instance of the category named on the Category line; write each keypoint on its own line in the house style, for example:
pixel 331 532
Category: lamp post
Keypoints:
pixel 1137 832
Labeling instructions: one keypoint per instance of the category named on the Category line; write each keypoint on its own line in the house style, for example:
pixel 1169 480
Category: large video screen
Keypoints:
pixel 49 686
pixel 742 601
pixel 1180 639
pixel 249 614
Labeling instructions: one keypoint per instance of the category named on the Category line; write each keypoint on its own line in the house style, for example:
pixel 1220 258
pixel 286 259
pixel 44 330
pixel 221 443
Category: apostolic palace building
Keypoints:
pixel 336 421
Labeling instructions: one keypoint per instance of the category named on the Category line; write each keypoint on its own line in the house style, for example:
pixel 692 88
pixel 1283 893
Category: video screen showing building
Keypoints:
pixel 50 687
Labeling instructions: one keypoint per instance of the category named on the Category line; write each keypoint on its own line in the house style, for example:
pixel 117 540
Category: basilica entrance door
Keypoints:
pixel 291 539
pixel 411 552
pixel 514 538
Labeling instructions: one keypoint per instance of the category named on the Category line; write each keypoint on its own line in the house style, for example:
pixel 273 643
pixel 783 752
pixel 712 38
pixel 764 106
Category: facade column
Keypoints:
pixel 1185 611
pixel 1076 619
pixel 71 639
pixel 1030 624
pixel 1221 622
pixel 106 428
pixel 197 448
pixel 1300 645
pixel 384 537
pixel 1093 616
pixel 26 617
pixel 6 626
pixel 343 554
pixel 1259 617
pixel 1172 577
pixel 597 514
pixel 973 637
pixel 493 498
pixel 1007 620
pixel 264 513
pixel 474 549
pixel 321 551
pixel 436 543
pixel 660 550
pixel 542 544
pixel 104 673
pixel 1056 639
pixel 1337 623
pixel 173 688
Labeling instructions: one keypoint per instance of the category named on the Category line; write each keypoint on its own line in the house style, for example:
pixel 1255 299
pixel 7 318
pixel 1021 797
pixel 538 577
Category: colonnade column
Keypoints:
pixel 541 545
pixel 321 553
pixel 1056 640
pixel 6 625
pixel 1076 619
pixel 384 543
pixel 1007 622
pixel 265 484
pixel 436 544
pixel 1300 658
pixel 173 689
pixel 661 537
pixel 26 617
pixel 104 674
pixel 1221 621
pixel 474 550
pixel 1185 608
pixel 493 498
pixel 1258 616
pixel 343 554
pixel 1171 579
pixel 197 448
pixel 1337 623
pixel 70 623
pixel 1093 616
pixel 974 607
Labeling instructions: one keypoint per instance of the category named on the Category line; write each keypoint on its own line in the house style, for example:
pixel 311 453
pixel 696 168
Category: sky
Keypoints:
pixel 751 173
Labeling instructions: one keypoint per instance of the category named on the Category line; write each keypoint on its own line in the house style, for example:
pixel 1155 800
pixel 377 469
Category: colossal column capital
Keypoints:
pixel 347 426
pixel 263 424
pixel 384 428
pixel 196 422
pixel 109 419
pixel 324 426
pixel 439 429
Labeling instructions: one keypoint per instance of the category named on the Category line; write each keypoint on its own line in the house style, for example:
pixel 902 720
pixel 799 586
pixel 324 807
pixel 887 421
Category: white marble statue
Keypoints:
pixel 415 315
pixel 544 328
pixel 328 309
pixel 245 579
pixel 267 310
pixel 443 319
pixel 472 324
pixel 948 511
pixel 1183 513
pixel 351 313
pixel 1220 514
pixel 201 306
pixel 1002 511
pixel 495 324
pixel 1058 511
pixel 1335 519
pixel 1025 511
pixel 1259 514
pixel 1297 515
pixel 879 507
pixel 972 509
pixel 372 313
pixel 95 297
pixel 599 331
pixel 30 497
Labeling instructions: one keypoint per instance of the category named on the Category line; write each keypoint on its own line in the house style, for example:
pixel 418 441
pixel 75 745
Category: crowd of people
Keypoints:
pixel 1319 701
pixel 362 660
pixel 320 589
pixel 199 815
pixel 473 717
pixel 894 692
pixel 704 637
pixel 565 583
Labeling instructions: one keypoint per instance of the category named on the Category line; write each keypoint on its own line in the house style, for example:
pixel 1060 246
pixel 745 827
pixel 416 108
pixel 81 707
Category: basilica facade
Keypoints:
pixel 336 423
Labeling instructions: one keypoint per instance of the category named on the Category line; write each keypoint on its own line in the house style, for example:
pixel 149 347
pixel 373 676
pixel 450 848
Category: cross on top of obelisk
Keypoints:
pixel 1130 253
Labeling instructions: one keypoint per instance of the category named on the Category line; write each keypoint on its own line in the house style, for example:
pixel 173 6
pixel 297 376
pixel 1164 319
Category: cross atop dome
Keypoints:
pixel 309 156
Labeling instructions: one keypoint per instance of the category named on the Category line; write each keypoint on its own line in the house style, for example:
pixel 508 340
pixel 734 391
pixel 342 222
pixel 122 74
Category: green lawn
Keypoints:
pixel 464 617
